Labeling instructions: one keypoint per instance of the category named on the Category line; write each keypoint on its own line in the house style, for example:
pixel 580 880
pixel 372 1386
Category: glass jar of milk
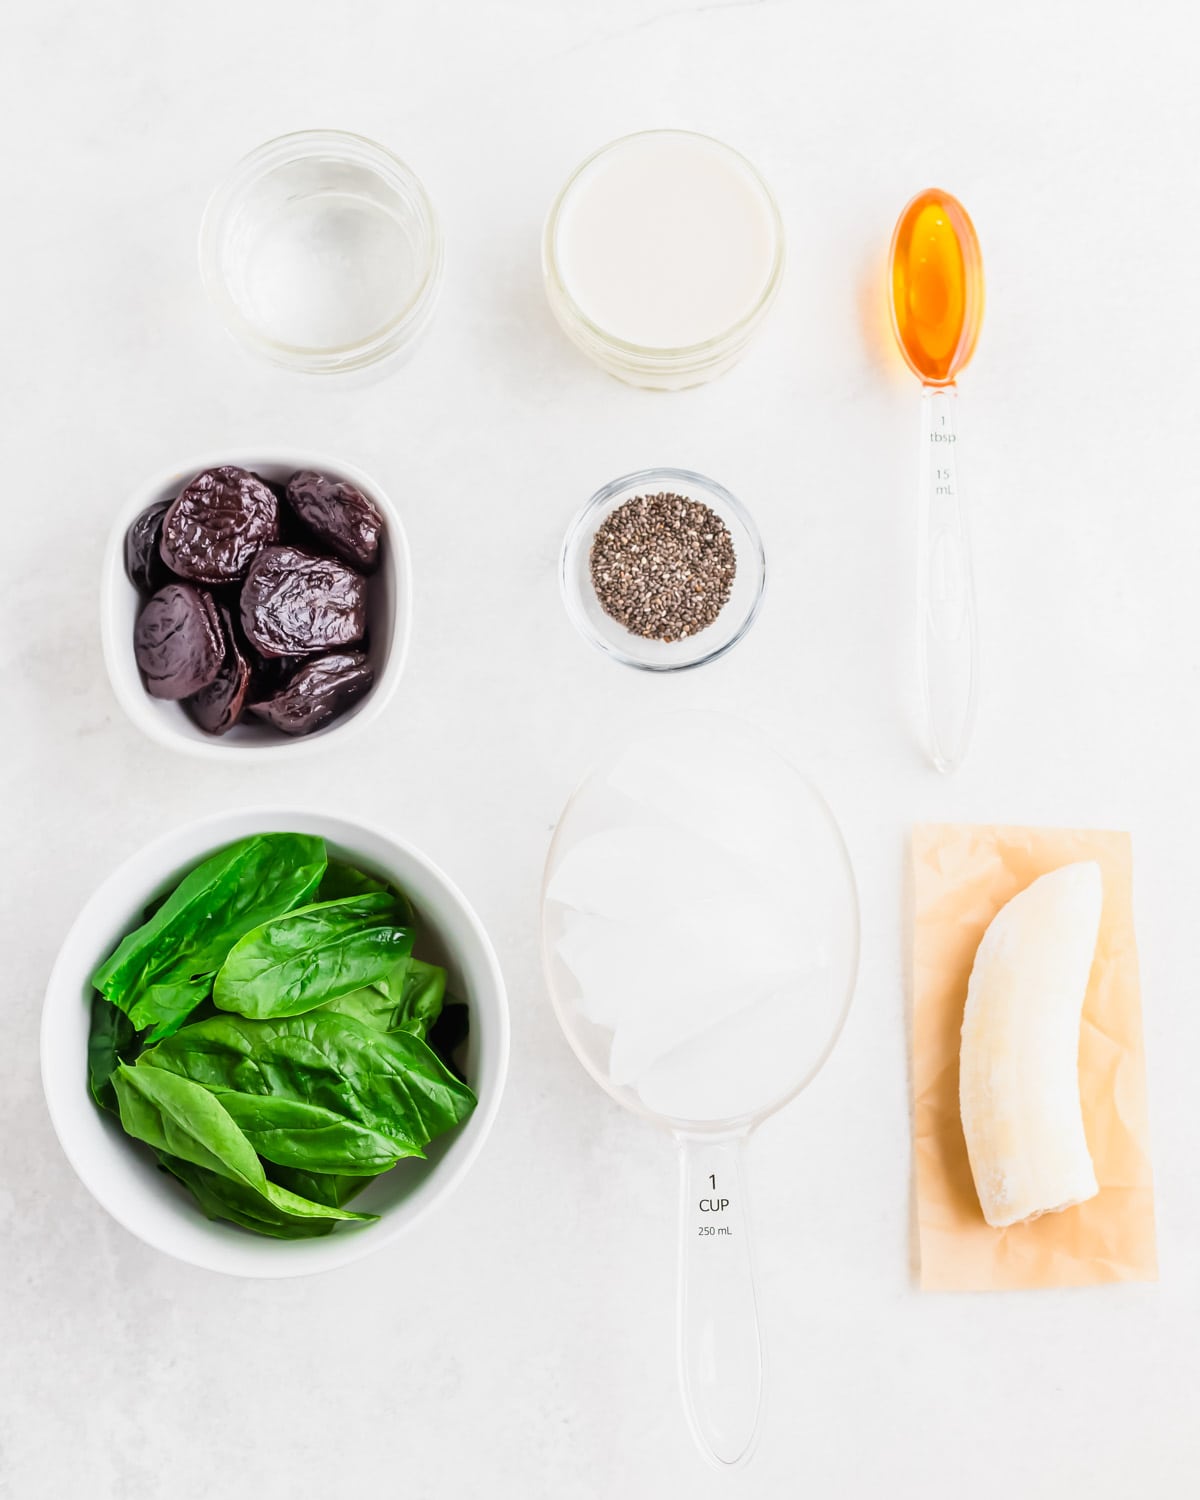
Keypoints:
pixel 662 256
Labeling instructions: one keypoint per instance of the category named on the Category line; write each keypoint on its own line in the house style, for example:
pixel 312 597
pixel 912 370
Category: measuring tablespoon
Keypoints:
pixel 700 941
pixel 937 299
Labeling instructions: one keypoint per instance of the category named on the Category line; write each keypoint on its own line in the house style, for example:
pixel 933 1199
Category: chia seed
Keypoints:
pixel 663 566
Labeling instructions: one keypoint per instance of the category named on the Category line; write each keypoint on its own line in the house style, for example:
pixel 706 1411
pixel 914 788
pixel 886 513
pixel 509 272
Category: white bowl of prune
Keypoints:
pixel 256 604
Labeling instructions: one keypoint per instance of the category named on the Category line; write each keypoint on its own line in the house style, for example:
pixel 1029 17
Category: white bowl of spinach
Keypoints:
pixel 273 1040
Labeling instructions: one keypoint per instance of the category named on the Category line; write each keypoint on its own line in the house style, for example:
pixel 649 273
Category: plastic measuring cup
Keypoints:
pixel 936 274
pixel 700 942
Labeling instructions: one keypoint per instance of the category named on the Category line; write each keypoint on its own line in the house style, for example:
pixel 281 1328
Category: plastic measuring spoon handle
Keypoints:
pixel 948 627
pixel 720 1350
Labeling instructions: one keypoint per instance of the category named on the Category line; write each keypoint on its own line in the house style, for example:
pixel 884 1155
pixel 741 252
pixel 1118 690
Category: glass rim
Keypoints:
pixel 296 146
pixel 658 356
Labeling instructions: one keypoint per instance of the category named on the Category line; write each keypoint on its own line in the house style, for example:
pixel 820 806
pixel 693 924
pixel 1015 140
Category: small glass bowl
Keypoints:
pixel 605 633
pixel 321 251
pixel 642 365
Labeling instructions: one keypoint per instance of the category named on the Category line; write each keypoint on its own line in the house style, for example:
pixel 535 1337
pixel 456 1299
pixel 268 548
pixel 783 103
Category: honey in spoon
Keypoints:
pixel 937 286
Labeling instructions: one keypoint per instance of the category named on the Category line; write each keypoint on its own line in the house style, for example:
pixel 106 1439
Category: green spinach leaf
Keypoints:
pixel 306 1136
pixel 174 1002
pixel 321 1187
pixel 420 991
pixel 370 1006
pixel 276 1117
pixel 342 880
pixel 111 1040
pixel 179 1117
pixel 320 1092
pixel 407 998
pixel 297 962
pixel 164 968
pixel 221 1198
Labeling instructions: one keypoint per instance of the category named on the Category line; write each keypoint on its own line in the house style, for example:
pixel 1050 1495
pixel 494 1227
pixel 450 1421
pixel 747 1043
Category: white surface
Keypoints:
pixel 129 1184
pixel 548 1366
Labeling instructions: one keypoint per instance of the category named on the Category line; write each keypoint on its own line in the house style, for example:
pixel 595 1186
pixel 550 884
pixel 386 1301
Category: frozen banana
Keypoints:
pixel 1019 1061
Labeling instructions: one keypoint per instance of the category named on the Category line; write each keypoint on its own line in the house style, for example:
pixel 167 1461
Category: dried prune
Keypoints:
pixel 254 598
pixel 318 692
pixel 295 603
pixel 213 530
pixel 177 641
pixel 143 561
pixel 218 707
pixel 276 486
pixel 269 673
pixel 339 516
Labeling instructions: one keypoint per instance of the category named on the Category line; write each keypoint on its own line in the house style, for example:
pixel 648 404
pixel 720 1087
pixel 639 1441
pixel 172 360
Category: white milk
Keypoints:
pixel 666 240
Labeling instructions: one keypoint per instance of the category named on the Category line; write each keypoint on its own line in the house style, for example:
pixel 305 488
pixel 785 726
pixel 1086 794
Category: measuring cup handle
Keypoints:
pixel 946 590
pixel 720 1350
